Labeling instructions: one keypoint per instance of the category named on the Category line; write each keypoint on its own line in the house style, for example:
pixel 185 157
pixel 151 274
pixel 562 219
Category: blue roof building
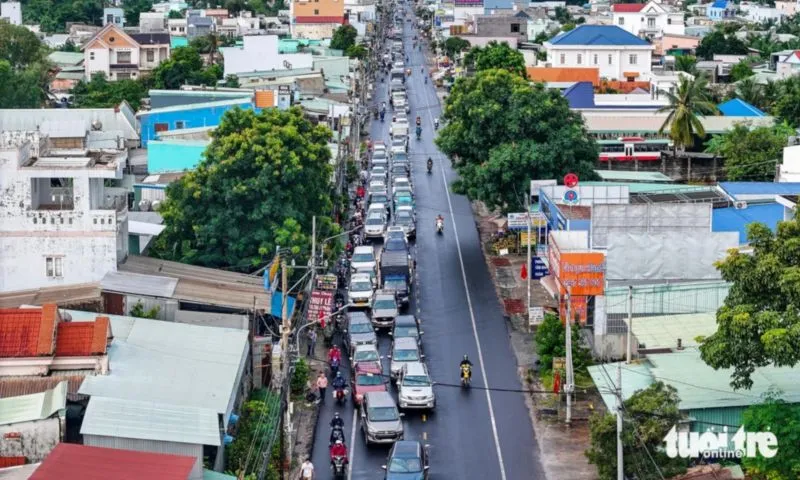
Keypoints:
pixel 749 191
pixel 736 107
pixel 721 10
pixel 165 156
pixel 605 35
pixel 186 116
pixel 732 219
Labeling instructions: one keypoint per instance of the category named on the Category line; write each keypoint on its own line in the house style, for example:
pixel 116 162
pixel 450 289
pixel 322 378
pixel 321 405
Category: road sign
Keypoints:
pixel 571 180
pixel 517 221
pixel 571 197
pixel 538 268
pixel 535 315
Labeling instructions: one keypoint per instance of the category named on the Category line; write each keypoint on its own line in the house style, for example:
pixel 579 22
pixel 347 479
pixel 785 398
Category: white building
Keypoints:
pixel 789 170
pixel 754 12
pixel 617 53
pixel 788 65
pixel 259 53
pixel 177 27
pixel 11 12
pixel 60 224
pixel 788 8
pixel 651 19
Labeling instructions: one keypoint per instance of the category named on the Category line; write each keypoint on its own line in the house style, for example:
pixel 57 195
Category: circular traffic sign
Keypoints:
pixel 570 180
pixel 571 197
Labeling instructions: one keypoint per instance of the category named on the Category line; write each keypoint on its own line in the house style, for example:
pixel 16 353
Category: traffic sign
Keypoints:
pixel 571 197
pixel 538 268
pixel 571 180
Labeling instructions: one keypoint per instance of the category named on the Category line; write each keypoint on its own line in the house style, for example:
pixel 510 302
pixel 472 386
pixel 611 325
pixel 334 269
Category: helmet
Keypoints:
pixel 339 374
pixel 338 442
pixel 466 358
pixel 335 414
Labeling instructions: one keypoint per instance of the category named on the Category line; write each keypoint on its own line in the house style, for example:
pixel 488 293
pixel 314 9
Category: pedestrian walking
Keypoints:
pixel 312 341
pixel 307 470
pixel 322 384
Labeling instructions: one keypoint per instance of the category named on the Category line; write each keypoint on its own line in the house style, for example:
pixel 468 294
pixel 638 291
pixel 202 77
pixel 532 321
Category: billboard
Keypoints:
pixel 579 272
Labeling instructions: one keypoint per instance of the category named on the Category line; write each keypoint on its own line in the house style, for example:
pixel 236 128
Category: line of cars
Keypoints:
pixel 379 293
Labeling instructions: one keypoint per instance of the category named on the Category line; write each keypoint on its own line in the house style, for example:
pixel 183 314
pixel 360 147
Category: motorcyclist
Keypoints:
pixel 439 222
pixel 466 363
pixel 337 426
pixel 338 450
pixel 436 123
pixel 430 163
pixel 419 120
pixel 335 359
pixel 338 383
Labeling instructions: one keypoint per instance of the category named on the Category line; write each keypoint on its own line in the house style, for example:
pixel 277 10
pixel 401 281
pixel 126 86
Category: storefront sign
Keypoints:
pixel 320 303
pixel 579 312
pixel 327 282
pixel 517 221
pixel 582 273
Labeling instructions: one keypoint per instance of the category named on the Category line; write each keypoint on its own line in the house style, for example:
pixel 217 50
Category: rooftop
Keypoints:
pixel 631 176
pixel 197 106
pixel 80 462
pixel 766 189
pixel 627 7
pixel 63 59
pixel 664 331
pixel 563 74
pixel 29 120
pixel 651 122
pixel 69 295
pixel 646 187
pixel 36 406
pixel 610 35
pixel 736 107
pixel 732 219
pixel 35 332
pixel 151 38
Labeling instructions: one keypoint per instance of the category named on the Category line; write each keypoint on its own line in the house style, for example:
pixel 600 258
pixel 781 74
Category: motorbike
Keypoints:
pixel 436 125
pixel 376 114
pixel 419 132
pixel 337 434
pixel 430 167
pixel 426 80
pixel 466 375
pixel 334 366
pixel 339 472
pixel 439 226
pixel 340 394
pixel 383 113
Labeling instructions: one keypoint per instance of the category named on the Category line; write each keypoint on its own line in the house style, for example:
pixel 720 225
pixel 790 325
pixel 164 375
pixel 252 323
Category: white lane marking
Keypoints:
pixel 352 444
pixel 471 312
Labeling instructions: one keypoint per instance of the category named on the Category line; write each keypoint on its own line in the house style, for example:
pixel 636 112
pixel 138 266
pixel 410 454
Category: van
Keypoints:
pixel 381 422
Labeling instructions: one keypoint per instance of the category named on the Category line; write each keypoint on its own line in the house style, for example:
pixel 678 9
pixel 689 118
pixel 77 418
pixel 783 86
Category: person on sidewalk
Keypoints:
pixel 312 342
pixel 322 384
pixel 307 470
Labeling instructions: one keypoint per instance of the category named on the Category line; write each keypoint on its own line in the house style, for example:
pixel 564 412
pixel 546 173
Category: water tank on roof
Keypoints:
pixel 144 205
pixel 97 125
pixel 156 205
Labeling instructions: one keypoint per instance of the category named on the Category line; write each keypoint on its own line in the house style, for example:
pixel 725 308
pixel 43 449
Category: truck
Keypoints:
pixel 397 275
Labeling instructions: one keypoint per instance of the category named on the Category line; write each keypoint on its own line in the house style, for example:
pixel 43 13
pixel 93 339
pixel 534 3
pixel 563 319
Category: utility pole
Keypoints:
pixel 529 266
pixel 314 242
pixel 285 327
pixel 630 323
pixel 570 380
pixel 620 465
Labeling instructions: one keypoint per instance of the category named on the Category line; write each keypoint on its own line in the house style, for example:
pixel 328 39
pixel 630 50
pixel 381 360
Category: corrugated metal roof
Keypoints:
pixel 37 406
pixel 758 188
pixel 635 377
pixel 69 295
pixel 21 119
pixel 24 472
pixel 598 35
pixel 631 176
pixel 56 129
pixel 736 107
pixel 663 331
pixel 16 386
pixel 731 219
pixel 244 102
pixel 125 418
pixel 650 122
pixel 139 284
pixel 66 58
pixel 171 363
pixel 212 475
pixel 643 187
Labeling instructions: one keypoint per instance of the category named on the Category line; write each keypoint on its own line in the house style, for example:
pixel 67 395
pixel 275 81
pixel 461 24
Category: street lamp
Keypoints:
pixel 312 322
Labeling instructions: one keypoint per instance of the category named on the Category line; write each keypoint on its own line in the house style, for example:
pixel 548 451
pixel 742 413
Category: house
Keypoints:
pixel 538 22
pixel 788 65
pixel 787 7
pixel 721 10
pixel 119 55
pixel 33 425
pixel 114 16
pixel 671 44
pixel 465 9
pixel 152 22
pixel 64 221
pixel 315 20
pixel 259 53
pixel 651 19
pixel 555 75
pixel 69 461
pixel 736 107
pixel 179 117
pixel 243 24
pixel 173 389
pixel 581 96
pixel 177 27
pixel 11 12
pixel 616 52
pixel 501 25
pixel 758 13
pixel 70 71
pixel 197 26
pixel 789 169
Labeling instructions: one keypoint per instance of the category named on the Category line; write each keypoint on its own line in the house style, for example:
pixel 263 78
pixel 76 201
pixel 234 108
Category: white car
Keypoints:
pixel 415 388
pixel 404 351
pixel 375 225
pixel 377 186
pixel 363 260
pixel 365 354
pixel 376 207
pixel 402 184
pixel 378 173
pixel 361 289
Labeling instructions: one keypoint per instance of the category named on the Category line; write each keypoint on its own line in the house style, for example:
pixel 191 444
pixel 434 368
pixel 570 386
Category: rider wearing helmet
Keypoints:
pixel 339 382
pixel 337 421
pixel 466 363
pixel 338 450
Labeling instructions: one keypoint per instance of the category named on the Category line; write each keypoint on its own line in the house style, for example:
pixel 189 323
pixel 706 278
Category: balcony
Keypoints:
pixel 124 67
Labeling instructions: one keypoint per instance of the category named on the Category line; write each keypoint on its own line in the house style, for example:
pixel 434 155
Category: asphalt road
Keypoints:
pixel 473 434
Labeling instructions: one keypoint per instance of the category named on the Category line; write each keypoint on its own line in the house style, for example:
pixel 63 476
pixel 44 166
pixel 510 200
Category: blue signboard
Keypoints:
pixel 539 268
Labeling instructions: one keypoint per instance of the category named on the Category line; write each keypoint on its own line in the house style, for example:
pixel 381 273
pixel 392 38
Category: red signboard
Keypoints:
pixel 320 304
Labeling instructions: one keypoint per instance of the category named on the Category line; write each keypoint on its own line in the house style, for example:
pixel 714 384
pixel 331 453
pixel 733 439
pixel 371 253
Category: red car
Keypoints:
pixel 368 377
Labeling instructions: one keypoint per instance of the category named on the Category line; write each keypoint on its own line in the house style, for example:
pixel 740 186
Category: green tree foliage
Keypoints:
pixel 562 15
pixel 786 104
pixel 185 66
pixel 262 179
pixel 19 46
pixel 69 46
pixel 758 324
pixel 139 311
pixel 176 15
pixel 133 8
pixel 783 419
pixel 503 132
pixel 740 71
pixel 718 42
pixel 550 343
pixel 211 43
pixel 496 56
pixel 231 81
pixel 100 93
pixel 356 51
pixel 24 70
pixel 300 376
pixel 689 100
pixel 649 414
pixel 53 15
pixel 255 431
pixel 751 154
pixel 455 45
pixel 344 37
pixel 686 63
pixel 751 92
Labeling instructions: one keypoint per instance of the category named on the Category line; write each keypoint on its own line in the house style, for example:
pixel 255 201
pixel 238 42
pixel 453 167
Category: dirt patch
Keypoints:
pixel 514 306
pixel 501 262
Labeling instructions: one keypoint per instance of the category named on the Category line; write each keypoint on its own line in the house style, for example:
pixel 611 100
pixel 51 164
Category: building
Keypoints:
pixel 114 16
pixel 63 221
pixel 566 77
pixel 243 24
pixel 71 461
pixel 787 8
pixel 315 20
pixel 167 156
pixel 789 169
pixel 259 53
pixel 539 22
pixel 671 44
pixel 616 52
pixel 788 64
pixel 33 425
pixel 70 71
pixel 581 96
pixel 173 389
pixel 736 107
pixel 651 19
pixel 152 22
pixel 177 27
pixel 11 12
pixel 758 13
pixel 721 10
pixel 197 26
pixel 119 55
pixel 501 25
pixel 186 116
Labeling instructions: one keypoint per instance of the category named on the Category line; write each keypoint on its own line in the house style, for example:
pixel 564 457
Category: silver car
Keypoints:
pixel 404 350
pixel 375 226
pixel 384 309
pixel 359 331
pixel 404 218
pixel 363 260
pixel 415 388
pixel 380 420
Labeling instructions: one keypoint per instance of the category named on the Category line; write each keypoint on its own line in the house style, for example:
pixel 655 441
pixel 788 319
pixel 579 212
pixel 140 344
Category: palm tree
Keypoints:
pixel 686 63
pixel 689 100
pixel 751 92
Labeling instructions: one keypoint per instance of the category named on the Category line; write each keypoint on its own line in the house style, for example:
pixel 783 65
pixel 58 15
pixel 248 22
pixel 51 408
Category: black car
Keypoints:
pixel 408 460
pixel 407 326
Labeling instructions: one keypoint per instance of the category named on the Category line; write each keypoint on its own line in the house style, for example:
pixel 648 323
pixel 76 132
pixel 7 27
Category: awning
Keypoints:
pixel 277 305
pixel 144 228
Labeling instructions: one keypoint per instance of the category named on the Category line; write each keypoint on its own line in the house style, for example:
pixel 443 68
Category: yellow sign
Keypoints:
pixel 523 238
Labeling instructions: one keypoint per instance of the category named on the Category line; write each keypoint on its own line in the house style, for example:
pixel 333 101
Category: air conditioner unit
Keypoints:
pixel 740 205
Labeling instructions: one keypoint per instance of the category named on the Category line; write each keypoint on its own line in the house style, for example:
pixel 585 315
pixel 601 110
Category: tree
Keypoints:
pixel 751 92
pixel 455 45
pixel 256 427
pixel 175 14
pixel 503 132
pixel 133 8
pixel 139 311
pixel 758 324
pixel 263 178
pixel 344 37
pixel 69 46
pixel 52 15
pixel 356 51
pixel 740 71
pixel 787 101
pixel 751 154
pixel 496 55
pixel 185 66
pixel 551 343
pixel 19 46
pixel 100 93
pixel 25 88
pixel 781 418
pixel 690 99
pixel 718 42
pixel 231 81
pixel 649 415
pixel 562 15
pixel 686 63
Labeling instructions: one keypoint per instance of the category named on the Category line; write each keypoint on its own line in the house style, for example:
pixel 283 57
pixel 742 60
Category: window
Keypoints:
pixel 111 39
pixel 651 23
pixel 151 55
pixel 123 76
pixel 123 57
pixel 580 59
pixel 54 267
pixel 179 124
pixel 316 12
pixel 161 127
pixel 91 55
pixel 632 59
pixel 610 59
pixel 621 21
pixel 515 28
pixel 563 59
pixel 669 21
pixel 596 59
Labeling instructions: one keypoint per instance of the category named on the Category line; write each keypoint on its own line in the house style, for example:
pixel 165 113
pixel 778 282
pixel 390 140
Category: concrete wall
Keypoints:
pixel 37 439
pixel 259 53
pixel 313 30
pixel 613 62
pixel 501 26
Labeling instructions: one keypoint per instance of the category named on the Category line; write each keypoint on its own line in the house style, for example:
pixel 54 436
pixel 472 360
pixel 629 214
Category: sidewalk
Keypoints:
pixel 560 447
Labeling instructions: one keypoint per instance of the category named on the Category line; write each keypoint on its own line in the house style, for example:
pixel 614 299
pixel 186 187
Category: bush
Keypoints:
pixel 299 377
pixel 550 343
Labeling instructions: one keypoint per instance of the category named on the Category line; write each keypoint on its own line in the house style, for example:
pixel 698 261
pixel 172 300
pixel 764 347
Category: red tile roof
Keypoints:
pixel 27 332
pixel 80 462
pixel 76 339
pixel 627 7
pixel 313 19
